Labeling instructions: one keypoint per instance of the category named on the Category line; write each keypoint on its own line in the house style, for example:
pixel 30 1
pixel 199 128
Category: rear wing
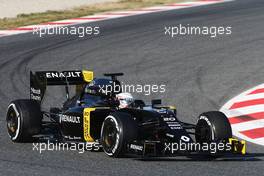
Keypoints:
pixel 41 79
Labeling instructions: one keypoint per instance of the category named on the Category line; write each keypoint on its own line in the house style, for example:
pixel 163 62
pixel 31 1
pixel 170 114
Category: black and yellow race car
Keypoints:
pixel 93 115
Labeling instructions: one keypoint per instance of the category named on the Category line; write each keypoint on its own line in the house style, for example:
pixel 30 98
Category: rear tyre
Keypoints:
pixel 23 120
pixel 118 130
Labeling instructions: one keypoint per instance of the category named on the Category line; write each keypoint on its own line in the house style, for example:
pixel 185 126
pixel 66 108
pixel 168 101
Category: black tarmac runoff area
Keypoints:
pixel 200 73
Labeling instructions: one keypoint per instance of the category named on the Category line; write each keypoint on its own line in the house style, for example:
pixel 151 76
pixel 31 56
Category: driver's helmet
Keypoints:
pixel 126 100
pixel 100 86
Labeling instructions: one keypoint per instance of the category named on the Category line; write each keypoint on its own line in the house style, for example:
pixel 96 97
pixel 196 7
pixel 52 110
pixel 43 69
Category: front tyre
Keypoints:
pixel 212 126
pixel 23 120
pixel 117 131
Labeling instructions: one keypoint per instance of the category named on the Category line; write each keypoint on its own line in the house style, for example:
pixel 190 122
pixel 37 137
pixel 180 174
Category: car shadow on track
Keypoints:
pixel 194 158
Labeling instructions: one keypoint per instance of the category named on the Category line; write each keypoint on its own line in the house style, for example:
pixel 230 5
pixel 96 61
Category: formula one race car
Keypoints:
pixel 94 114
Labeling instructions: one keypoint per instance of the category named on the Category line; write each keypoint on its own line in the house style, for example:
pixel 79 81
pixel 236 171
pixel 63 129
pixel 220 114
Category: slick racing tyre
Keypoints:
pixel 212 127
pixel 117 131
pixel 23 120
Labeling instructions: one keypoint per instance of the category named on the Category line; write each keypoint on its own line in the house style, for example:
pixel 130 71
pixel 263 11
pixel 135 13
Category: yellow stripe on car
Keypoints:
pixel 87 124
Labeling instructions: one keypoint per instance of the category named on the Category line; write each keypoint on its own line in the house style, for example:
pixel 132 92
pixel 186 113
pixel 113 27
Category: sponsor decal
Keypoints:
pixel 174 125
pixel 136 147
pixel 170 135
pixel 162 111
pixel 71 74
pixel 35 97
pixel 176 128
pixel 166 119
pixel 73 137
pixel 70 119
pixel 206 119
pixel 35 94
pixel 86 124
pixel 209 123
pixel 35 91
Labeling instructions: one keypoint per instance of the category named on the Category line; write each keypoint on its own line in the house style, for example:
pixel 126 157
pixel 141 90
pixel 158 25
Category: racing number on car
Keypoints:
pixel 86 124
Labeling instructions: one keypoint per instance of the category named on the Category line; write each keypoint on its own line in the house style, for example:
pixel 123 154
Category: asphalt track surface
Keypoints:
pixel 200 73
